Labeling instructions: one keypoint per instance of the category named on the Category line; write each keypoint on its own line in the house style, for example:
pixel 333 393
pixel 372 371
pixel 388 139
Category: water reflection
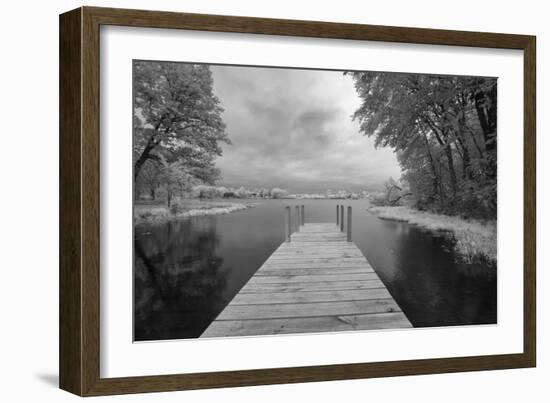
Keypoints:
pixel 187 271
pixel 179 279
pixel 428 281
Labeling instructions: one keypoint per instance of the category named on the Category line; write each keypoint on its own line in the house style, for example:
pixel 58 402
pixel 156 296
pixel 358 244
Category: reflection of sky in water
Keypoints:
pixel 187 271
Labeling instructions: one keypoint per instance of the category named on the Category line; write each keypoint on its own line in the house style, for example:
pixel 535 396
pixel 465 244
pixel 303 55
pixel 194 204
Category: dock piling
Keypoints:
pixel 303 216
pixel 337 215
pixel 287 224
pixel 342 218
pixel 349 224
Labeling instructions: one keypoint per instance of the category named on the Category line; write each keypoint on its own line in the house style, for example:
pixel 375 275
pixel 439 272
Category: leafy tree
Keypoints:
pixel 277 193
pixel 443 129
pixel 394 192
pixel 208 192
pixel 174 177
pixel 177 117
pixel 242 192
pixel 150 178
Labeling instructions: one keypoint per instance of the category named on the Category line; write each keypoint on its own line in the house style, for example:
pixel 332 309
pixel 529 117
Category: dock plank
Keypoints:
pixel 305 265
pixel 309 287
pixel 310 254
pixel 318 324
pixel 317 282
pixel 267 271
pixel 273 311
pixel 335 258
pixel 308 297
pixel 313 278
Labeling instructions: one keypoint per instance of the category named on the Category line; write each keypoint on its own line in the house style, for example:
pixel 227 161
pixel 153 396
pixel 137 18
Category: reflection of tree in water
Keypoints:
pixel 178 280
pixel 434 289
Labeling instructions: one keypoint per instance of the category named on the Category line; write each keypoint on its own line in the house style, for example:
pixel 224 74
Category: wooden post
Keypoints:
pixel 349 223
pixel 297 219
pixel 287 224
pixel 303 216
pixel 341 218
pixel 337 215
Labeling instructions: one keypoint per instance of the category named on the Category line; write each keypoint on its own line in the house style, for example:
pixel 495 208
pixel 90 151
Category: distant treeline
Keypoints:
pixel 213 192
pixel 444 132
pixel 222 192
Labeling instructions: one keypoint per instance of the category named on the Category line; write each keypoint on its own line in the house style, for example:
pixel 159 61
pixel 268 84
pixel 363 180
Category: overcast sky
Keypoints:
pixel 292 129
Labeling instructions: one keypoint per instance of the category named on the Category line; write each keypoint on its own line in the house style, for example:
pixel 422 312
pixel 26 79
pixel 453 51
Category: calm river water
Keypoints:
pixel 187 271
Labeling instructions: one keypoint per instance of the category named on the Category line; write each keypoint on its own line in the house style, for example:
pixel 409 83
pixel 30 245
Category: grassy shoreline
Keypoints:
pixel 160 214
pixel 475 240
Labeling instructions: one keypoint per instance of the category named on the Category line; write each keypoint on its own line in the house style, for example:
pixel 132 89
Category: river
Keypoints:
pixel 187 271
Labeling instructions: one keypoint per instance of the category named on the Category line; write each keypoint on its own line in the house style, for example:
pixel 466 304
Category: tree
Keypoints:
pixel 242 193
pixel 208 192
pixel 150 177
pixel 176 115
pixel 277 193
pixel 392 190
pixel 175 177
pixel 443 130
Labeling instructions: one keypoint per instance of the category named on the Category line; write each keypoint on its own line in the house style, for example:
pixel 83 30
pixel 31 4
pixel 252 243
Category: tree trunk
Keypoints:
pixel 466 163
pixel 436 179
pixel 145 155
pixel 485 104
pixel 474 140
pixel 168 195
pixel 486 111
pixel 452 172
pixel 465 156
pixel 394 202
pixel 442 196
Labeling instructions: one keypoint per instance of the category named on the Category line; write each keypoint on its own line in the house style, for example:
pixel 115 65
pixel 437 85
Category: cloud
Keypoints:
pixel 293 129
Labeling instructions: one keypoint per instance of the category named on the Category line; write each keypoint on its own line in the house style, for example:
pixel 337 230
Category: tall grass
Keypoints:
pixel 158 214
pixel 474 240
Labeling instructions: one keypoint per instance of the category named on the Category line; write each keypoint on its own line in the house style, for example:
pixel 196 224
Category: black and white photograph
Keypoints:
pixel 274 200
pixel 260 202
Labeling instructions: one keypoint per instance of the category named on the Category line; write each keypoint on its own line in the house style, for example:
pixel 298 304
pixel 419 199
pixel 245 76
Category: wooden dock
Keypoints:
pixel 317 281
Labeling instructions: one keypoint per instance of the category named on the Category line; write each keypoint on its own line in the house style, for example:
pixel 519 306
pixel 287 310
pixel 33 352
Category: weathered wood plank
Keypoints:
pixel 314 278
pixel 320 224
pixel 324 253
pixel 308 287
pixel 319 242
pixel 304 241
pixel 304 254
pixel 300 237
pixel 316 245
pixel 267 271
pixel 273 311
pixel 318 227
pixel 334 266
pixel 319 230
pixel 319 233
pixel 308 297
pixel 304 250
pixel 336 248
pixel 317 324
pixel 310 259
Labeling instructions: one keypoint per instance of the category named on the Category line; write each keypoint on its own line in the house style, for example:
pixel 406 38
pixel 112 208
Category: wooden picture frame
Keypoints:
pixel 79 347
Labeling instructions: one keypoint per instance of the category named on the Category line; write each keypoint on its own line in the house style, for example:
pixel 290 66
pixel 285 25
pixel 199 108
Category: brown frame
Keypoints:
pixel 79 200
